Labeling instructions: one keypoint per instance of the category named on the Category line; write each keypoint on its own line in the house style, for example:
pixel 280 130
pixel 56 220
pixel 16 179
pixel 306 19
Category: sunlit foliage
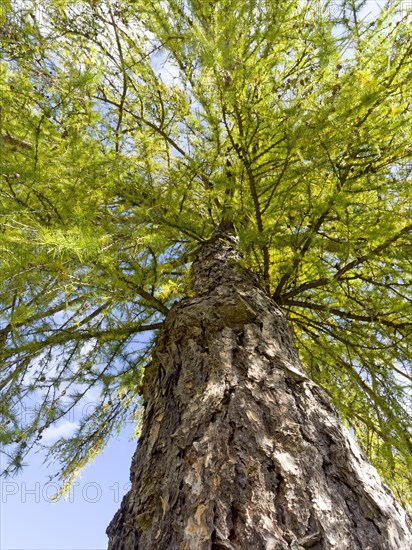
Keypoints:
pixel 131 130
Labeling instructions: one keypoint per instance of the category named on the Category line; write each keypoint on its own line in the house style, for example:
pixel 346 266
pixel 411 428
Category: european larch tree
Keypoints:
pixel 205 214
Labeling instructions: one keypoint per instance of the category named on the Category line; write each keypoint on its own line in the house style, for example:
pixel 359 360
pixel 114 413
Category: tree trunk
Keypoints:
pixel 239 449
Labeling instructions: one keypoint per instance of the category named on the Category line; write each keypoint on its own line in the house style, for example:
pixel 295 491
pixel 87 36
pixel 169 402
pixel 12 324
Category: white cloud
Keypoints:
pixel 65 429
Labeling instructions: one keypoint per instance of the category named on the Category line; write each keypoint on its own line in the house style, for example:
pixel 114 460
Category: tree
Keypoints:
pixel 133 134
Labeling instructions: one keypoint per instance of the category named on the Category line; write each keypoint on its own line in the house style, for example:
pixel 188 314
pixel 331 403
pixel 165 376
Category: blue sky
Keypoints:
pixel 29 521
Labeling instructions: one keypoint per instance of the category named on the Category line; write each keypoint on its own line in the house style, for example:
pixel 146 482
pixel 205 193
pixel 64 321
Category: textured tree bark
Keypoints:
pixel 239 449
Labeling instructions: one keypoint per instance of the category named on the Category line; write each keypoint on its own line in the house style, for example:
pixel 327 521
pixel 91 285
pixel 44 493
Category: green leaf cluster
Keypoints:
pixel 130 131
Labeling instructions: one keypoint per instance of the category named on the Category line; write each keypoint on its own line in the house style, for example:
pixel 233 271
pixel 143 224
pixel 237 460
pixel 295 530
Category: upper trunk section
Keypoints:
pixel 218 263
pixel 239 449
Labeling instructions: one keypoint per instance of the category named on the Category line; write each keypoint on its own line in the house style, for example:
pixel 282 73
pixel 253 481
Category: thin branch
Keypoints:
pixel 373 252
pixel 344 314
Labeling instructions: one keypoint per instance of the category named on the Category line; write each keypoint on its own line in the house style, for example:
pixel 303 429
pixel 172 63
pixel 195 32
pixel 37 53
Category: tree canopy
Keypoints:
pixel 131 130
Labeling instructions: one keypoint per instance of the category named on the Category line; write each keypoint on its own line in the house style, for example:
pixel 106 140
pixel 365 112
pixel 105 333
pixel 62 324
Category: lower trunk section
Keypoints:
pixel 239 449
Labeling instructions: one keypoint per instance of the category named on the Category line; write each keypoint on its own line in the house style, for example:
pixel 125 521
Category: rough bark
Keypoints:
pixel 239 449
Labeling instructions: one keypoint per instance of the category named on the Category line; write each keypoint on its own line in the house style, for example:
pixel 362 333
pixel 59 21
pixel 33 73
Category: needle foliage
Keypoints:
pixel 131 130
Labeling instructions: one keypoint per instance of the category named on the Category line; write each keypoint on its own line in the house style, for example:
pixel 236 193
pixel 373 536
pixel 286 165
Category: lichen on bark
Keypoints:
pixel 239 448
